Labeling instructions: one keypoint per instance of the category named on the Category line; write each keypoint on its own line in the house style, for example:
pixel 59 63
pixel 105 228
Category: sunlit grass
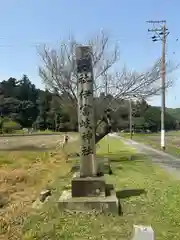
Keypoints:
pixel 158 206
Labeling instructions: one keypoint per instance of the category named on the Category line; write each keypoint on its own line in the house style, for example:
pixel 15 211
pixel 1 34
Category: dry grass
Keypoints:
pixel 23 174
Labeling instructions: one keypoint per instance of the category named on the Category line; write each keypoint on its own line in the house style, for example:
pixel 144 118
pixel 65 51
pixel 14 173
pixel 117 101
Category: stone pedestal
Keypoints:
pixel 88 187
pixel 89 194
pixel 103 166
pixel 102 204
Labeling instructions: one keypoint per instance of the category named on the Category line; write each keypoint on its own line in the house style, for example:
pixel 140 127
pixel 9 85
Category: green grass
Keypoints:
pixel 172 141
pixel 159 206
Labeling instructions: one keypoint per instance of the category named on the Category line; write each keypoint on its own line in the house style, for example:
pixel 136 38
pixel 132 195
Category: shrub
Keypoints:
pixel 11 126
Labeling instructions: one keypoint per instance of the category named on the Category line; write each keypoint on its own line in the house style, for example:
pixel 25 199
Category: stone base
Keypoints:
pixel 108 204
pixel 104 166
pixel 88 186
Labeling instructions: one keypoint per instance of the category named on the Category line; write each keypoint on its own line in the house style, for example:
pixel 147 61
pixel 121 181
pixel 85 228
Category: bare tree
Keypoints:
pixel 58 73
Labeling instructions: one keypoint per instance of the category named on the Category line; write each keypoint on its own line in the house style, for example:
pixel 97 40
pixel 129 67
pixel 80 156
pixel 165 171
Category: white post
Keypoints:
pixel 163 73
pixel 130 117
pixel 143 233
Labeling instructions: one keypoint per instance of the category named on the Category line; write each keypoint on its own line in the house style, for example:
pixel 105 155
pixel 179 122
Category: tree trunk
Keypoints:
pixel 100 136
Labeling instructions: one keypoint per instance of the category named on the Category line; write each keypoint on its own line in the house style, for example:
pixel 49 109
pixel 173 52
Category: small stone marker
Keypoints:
pixel 43 197
pixel 143 233
pixel 44 194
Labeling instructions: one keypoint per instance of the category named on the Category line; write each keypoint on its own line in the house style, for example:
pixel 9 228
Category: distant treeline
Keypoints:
pixel 22 105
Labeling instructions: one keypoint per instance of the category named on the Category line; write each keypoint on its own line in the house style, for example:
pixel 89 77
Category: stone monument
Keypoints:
pixel 88 191
pixel 88 166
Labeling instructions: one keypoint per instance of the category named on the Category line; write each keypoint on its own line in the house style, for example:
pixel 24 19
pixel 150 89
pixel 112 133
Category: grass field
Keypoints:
pixel 147 194
pixel 172 141
pixel 27 165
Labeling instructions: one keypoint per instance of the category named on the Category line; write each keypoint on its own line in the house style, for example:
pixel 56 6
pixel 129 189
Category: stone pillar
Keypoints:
pixel 88 166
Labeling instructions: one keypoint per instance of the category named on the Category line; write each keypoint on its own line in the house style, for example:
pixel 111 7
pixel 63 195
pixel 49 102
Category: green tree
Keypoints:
pixel 43 107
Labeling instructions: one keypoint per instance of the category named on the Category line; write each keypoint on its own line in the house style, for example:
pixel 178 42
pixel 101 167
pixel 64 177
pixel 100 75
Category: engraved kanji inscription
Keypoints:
pixel 84 77
pixel 84 65
pixel 85 93
pixel 86 150
pixel 85 109
pixel 87 135
pixel 85 123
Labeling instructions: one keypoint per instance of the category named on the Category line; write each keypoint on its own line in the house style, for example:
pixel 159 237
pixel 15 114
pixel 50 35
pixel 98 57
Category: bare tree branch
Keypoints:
pixel 58 73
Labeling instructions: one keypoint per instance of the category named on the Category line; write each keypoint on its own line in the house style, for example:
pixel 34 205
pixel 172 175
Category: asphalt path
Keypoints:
pixel 165 160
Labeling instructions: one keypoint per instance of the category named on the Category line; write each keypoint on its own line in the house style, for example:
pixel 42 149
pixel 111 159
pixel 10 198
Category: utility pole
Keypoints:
pixel 106 93
pixel 130 117
pixel 161 35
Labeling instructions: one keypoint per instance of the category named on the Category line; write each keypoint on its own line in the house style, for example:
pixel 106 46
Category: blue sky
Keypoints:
pixel 24 24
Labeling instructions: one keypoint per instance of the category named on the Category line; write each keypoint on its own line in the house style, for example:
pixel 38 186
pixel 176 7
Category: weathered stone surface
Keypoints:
pixel 44 194
pixel 86 122
pixel 109 190
pixel 103 166
pixel 143 233
pixel 83 204
pixel 89 186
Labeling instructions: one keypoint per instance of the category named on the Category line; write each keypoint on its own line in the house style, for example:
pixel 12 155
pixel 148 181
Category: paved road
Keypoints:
pixel 170 163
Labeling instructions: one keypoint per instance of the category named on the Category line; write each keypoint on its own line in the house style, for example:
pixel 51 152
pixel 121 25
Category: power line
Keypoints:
pixel 160 34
